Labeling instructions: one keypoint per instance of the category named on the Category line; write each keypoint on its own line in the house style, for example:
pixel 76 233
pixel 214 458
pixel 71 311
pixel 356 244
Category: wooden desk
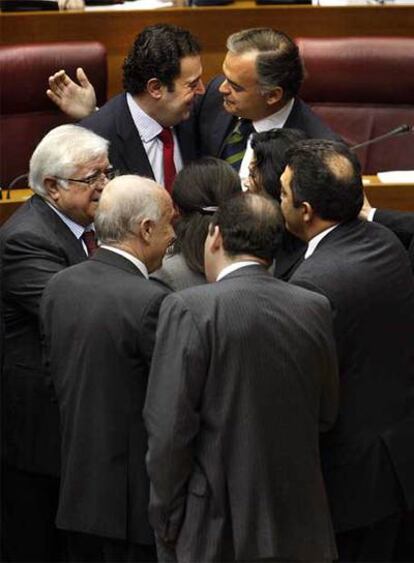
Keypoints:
pixel 387 196
pixel 117 30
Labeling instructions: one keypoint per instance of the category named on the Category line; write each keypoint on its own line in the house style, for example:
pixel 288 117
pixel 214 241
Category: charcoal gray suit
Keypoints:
pixel 126 151
pixel 368 458
pixel 99 321
pixel 242 380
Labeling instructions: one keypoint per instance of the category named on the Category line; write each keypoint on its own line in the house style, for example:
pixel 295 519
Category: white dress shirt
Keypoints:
pixel 275 121
pixel 148 130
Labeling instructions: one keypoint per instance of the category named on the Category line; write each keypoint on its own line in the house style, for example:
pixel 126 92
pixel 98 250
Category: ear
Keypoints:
pixel 215 240
pixel 307 212
pixel 146 228
pixel 275 96
pixel 154 88
pixel 52 188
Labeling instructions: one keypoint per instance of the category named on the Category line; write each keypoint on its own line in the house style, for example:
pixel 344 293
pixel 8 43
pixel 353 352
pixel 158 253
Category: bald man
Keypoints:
pixel 99 324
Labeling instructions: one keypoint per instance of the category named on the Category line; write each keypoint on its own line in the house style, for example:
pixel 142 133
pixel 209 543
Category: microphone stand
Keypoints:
pixel 401 130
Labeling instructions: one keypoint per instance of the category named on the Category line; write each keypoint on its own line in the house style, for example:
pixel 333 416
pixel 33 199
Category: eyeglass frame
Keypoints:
pixel 109 173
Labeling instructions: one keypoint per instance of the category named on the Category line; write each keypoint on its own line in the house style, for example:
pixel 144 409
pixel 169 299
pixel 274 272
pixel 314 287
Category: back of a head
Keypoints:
pixel 278 62
pixel 157 53
pixel 125 202
pixel 327 175
pixel 269 150
pixel 250 224
pixel 61 152
pixel 198 189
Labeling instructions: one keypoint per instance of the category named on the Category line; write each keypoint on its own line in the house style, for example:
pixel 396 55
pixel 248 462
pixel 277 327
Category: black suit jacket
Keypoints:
pixel 126 151
pixel 99 321
pixel 402 224
pixel 368 459
pixel 35 244
pixel 242 379
pixel 214 123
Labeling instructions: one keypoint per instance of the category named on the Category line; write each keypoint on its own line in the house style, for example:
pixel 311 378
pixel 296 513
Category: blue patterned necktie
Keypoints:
pixel 235 145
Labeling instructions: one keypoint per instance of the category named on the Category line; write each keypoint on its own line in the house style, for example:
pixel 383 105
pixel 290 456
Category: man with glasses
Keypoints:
pixel 52 230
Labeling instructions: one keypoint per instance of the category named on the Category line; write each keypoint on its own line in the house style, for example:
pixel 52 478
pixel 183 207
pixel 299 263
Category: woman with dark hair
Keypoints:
pixel 198 190
pixel 269 149
pixel 265 169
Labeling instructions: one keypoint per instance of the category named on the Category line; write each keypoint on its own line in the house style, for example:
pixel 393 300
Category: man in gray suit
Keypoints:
pixel 364 271
pixel 243 379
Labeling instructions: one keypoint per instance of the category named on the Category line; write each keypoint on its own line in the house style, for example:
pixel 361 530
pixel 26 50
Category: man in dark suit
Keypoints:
pixel 68 171
pixel 243 378
pixel 162 76
pixel 99 321
pixel 362 268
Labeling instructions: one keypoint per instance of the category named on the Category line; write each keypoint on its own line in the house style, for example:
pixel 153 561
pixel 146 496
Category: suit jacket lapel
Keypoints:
pixel 223 124
pixel 132 148
pixel 72 245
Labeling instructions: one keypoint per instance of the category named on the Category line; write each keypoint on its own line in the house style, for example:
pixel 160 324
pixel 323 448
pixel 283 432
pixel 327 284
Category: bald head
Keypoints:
pixel 126 202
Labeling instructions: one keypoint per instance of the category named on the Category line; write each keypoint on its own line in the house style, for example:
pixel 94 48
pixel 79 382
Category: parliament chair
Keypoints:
pixel 26 113
pixel 363 87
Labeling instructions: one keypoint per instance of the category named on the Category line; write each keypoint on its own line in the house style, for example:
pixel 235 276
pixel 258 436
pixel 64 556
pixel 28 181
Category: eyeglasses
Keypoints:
pixel 93 179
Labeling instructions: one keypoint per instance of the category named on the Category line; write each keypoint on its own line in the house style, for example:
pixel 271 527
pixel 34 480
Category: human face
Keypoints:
pixel 177 105
pixel 241 91
pixel 293 216
pixel 252 183
pixel 79 201
pixel 162 235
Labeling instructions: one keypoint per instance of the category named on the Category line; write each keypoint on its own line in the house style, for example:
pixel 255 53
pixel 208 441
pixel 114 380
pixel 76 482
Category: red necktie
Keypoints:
pixel 167 139
pixel 89 239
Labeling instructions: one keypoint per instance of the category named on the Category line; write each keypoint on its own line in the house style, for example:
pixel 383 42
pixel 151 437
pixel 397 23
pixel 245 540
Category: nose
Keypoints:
pixel 224 87
pixel 200 87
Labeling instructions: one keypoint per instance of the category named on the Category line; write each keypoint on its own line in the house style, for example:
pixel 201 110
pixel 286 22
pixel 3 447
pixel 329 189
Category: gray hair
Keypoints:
pixel 125 202
pixel 61 152
pixel 278 63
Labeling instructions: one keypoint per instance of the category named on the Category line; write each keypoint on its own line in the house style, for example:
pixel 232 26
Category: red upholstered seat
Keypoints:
pixel 363 87
pixel 26 112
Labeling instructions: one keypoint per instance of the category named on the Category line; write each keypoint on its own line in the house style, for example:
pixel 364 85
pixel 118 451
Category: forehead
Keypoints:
pixel 190 69
pixel 286 177
pixel 241 69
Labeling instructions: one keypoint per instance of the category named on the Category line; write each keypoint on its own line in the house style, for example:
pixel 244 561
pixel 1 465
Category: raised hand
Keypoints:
pixel 76 100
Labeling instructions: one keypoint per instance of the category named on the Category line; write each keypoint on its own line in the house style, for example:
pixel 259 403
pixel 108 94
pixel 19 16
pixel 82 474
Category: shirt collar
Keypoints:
pixel 147 127
pixel 136 261
pixel 235 266
pixel 76 229
pixel 313 243
pixel 275 121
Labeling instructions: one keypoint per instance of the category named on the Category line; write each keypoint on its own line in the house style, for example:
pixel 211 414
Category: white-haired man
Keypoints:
pixel 68 171
pixel 101 388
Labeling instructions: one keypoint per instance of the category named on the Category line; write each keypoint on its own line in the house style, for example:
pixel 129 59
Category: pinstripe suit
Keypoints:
pixel 242 379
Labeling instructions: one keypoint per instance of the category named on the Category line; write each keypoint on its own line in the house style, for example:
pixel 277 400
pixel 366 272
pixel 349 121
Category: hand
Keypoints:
pixel 366 208
pixel 71 5
pixel 76 100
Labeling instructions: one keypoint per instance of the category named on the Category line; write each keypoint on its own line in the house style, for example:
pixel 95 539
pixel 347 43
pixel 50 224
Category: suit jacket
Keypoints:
pixel 126 151
pixel 99 322
pixel 402 224
pixel 214 123
pixel 35 244
pixel 176 274
pixel 243 377
pixel 364 272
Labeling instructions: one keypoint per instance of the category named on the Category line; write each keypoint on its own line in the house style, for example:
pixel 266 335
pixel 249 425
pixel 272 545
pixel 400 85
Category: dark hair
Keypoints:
pixel 249 224
pixel 327 175
pixel 157 53
pixel 269 150
pixel 201 185
pixel 278 62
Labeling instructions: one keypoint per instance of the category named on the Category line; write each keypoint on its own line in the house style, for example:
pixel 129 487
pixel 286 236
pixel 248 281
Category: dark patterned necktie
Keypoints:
pixel 167 139
pixel 89 239
pixel 235 145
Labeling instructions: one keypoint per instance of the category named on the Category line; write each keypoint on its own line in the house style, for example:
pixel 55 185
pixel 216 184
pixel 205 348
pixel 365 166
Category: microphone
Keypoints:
pixel 401 130
pixel 14 182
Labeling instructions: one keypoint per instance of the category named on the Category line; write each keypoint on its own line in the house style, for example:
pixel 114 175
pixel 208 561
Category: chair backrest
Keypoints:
pixel 363 87
pixel 26 113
